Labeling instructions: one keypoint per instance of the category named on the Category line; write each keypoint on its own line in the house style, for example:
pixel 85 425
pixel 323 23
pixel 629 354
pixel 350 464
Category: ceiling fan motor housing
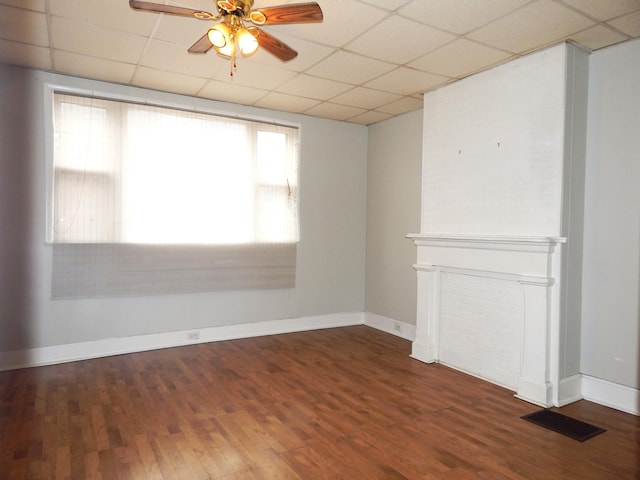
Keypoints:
pixel 240 8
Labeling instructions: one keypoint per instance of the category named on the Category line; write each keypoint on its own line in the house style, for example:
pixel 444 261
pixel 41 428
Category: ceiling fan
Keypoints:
pixel 239 31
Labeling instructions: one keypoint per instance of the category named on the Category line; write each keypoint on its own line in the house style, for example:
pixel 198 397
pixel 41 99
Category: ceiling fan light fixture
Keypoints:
pixel 232 35
pixel 247 42
pixel 219 35
pixel 228 51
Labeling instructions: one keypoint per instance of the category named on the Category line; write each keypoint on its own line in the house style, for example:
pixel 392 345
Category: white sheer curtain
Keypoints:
pixel 150 199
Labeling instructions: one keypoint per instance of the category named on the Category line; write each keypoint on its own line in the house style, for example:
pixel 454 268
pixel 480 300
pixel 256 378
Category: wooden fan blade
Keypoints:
pixel 274 46
pixel 183 12
pixel 202 45
pixel 294 13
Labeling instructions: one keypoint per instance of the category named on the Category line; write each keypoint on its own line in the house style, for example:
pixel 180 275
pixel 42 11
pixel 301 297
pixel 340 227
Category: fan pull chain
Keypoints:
pixel 234 65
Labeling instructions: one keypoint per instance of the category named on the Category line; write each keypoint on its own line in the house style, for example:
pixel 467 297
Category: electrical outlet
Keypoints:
pixel 193 335
pixel 397 327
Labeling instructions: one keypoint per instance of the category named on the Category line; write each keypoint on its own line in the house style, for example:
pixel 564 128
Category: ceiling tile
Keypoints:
pixel 252 74
pixel 367 118
pixel 23 26
pixel 459 16
pixel 32 56
pixel 113 15
pixel 95 41
pixel 350 61
pixel 365 98
pixel 460 58
pixel 629 24
pixel 349 67
pixel 343 21
pixel 407 81
pixel 390 5
pixel 167 81
pixel 287 103
pixel 92 67
pixel 405 104
pixel 597 37
pixel 309 53
pixel 37 5
pixel 521 31
pixel 388 40
pixel 226 91
pixel 171 57
pixel 313 87
pixel 336 112
pixel 604 10
pixel 179 30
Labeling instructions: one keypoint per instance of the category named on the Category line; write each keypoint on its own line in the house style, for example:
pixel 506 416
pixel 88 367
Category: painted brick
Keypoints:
pixel 481 322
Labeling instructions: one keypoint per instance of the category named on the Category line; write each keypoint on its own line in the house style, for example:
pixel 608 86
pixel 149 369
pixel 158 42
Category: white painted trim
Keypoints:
pixel 538 393
pixel 614 395
pixel 495 242
pixel 531 262
pixel 534 280
pixel 424 352
pixel 389 325
pixel 596 390
pixel 39 356
pixel 569 390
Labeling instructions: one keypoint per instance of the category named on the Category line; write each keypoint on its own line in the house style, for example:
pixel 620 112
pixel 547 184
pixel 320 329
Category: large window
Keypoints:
pixel 154 189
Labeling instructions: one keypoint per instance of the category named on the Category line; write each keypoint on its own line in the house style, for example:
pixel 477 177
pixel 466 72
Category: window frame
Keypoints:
pixel 52 88
pixel 268 265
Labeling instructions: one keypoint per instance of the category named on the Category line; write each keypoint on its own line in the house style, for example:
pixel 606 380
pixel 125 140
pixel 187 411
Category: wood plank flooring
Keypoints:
pixel 343 403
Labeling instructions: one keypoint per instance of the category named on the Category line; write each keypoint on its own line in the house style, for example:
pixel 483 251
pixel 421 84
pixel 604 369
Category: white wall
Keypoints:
pixel 331 258
pixel 393 211
pixel 493 150
pixel 611 266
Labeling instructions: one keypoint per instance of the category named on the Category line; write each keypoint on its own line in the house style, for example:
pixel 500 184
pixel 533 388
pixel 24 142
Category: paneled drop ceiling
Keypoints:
pixel 369 60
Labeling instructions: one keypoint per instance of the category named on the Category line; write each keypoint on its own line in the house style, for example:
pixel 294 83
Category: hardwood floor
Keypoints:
pixel 343 403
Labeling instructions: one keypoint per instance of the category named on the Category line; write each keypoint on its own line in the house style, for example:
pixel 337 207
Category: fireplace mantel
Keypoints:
pixel 528 270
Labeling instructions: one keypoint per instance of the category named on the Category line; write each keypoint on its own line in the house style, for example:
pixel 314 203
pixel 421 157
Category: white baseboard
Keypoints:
pixel 600 391
pixel 614 395
pixel 532 391
pixel 34 357
pixel 39 356
pixel 389 325
pixel 569 390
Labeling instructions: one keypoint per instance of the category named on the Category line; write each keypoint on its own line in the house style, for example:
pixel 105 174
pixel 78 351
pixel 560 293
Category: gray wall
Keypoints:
pixel 331 258
pixel 393 210
pixel 611 268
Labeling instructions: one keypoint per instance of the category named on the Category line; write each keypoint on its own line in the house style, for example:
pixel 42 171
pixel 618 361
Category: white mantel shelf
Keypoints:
pixel 495 241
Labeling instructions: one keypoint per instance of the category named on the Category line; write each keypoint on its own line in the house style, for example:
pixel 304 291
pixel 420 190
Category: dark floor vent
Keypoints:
pixel 570 427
